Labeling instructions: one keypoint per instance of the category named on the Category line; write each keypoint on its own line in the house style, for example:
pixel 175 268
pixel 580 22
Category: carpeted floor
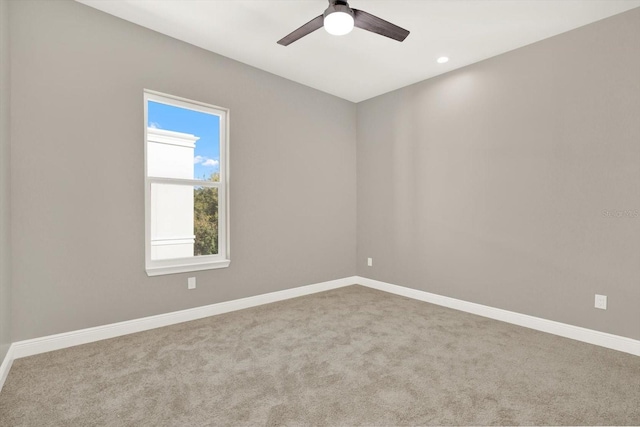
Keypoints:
pixel 351 356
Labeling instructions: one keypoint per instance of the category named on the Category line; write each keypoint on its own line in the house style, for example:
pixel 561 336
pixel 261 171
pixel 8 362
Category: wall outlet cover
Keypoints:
pixel 191 283
pixel 601 302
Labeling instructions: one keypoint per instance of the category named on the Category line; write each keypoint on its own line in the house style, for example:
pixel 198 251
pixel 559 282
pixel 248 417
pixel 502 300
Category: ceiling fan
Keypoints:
pixel 339 19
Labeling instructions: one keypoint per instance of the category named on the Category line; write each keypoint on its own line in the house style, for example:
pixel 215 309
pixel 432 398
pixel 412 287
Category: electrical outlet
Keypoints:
pixel 601 302
pixel 370 262
pixel 191 283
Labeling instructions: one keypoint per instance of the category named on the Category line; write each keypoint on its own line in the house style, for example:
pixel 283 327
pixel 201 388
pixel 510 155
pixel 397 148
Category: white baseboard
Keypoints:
pixel 6 366
pixel 69 339
pixel 84 336
pixel 590 336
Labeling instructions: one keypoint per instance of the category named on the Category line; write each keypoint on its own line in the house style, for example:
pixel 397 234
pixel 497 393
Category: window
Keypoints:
pixel 186 185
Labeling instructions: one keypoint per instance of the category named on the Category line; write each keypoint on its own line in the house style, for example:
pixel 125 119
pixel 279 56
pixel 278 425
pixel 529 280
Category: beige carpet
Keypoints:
pixel 352 356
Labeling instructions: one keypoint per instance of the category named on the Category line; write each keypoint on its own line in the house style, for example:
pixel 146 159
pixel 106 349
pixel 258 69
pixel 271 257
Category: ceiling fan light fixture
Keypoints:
pixel 339 19
pixel 338 23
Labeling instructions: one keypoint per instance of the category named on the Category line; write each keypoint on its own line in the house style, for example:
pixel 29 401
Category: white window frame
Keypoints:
pixel 202 262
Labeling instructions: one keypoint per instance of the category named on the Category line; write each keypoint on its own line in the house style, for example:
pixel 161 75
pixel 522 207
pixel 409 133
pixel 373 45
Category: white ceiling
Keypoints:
pixel 361 64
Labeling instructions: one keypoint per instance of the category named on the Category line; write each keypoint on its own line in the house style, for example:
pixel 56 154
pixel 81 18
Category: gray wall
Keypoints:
pixel 488 184
pixel 5 189
pixel 77 172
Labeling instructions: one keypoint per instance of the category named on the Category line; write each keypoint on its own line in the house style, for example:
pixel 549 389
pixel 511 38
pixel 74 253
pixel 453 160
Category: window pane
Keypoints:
pixel 182 143
pixel 184 221
pixel 205 226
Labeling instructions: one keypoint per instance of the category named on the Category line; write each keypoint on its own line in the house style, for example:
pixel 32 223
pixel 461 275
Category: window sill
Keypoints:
pixel 186 268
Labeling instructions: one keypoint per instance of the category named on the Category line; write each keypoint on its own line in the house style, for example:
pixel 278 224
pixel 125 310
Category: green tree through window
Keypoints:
pixel 205 205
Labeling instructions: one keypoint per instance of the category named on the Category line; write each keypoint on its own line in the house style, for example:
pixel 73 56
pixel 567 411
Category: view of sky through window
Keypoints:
pixel 206 156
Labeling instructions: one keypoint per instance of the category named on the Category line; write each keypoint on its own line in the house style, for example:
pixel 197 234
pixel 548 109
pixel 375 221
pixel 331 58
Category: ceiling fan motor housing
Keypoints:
pixel 338 6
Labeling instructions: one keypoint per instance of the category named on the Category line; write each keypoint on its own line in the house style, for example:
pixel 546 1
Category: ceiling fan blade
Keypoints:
pixel 368 22
pixel 306 29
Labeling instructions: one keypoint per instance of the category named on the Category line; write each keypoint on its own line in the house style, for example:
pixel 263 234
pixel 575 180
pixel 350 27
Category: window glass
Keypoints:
pixel 186 185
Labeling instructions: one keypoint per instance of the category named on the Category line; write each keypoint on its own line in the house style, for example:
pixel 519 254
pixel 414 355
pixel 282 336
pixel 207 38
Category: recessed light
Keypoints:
pixel 443 59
